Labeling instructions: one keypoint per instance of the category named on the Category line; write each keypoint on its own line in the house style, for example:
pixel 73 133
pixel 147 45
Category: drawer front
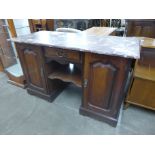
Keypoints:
pixel 63 54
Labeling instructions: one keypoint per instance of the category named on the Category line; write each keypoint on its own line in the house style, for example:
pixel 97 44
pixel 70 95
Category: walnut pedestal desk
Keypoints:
pixel 101 67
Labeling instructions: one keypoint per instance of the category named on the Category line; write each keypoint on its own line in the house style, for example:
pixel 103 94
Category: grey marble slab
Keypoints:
pixel 128 47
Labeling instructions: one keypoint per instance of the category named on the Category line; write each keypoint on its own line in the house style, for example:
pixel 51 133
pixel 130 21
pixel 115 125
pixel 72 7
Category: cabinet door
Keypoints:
pixel 31 60
pixel 104 82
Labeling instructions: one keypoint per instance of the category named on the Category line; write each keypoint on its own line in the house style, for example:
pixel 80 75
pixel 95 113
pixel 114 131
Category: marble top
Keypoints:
pixel 128 47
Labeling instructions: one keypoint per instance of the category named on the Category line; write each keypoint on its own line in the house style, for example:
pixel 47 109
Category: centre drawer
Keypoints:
pixel 64 54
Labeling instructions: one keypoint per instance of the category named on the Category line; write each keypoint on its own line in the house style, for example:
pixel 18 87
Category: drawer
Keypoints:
pixel 68 55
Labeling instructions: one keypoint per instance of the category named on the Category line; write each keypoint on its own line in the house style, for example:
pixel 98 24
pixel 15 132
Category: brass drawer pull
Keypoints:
pixel 62 54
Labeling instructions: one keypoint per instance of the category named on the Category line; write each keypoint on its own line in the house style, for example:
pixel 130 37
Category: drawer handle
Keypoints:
pixel 60 54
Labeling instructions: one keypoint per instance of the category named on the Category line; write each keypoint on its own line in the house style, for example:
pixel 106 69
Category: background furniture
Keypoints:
pixel 71 30
pixel 15 75
pixel 79 24
pixel 101 31
pixel 101 75
pixel 140 27
pixel 7 55
pixel 1 66
pixel 14 71
pixel 83 24
pixel 142 88
pixel 41 24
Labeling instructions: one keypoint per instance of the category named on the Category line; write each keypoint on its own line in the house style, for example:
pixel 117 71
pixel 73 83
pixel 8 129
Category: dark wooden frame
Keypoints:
pixel 39 66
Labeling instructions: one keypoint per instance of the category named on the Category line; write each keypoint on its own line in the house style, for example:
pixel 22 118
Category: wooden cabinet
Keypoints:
pixel 142 88
pixel 104 85
pixel 31 60
pixel 140 27
pixel 147 57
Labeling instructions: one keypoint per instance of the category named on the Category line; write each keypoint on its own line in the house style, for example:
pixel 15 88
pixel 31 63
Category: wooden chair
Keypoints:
pixel 70 30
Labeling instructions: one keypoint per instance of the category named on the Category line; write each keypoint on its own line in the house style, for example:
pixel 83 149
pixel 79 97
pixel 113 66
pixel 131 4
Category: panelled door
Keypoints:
pixel 103 82
pixel 31 60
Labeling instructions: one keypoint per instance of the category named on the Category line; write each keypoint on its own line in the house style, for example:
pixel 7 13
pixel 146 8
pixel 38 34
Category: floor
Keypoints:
pixel 22 114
